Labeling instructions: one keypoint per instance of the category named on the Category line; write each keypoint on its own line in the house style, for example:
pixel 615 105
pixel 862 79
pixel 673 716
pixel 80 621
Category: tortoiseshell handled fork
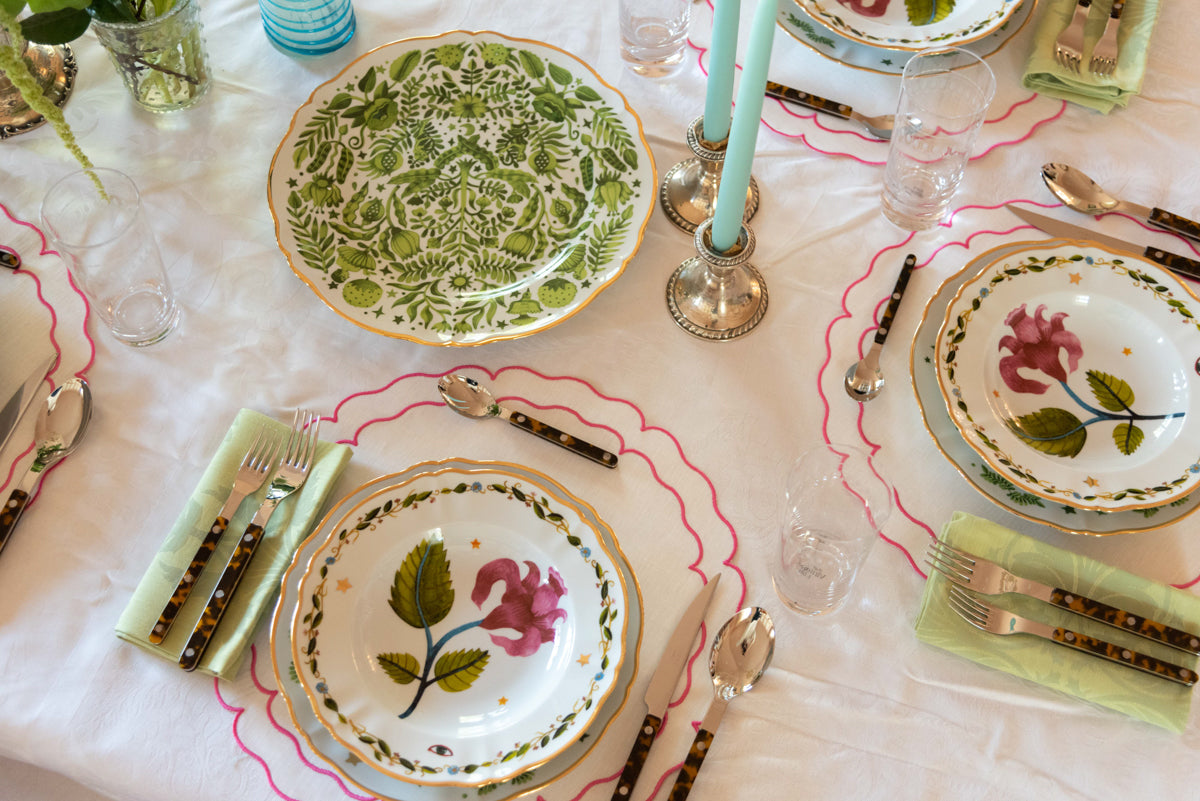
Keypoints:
pixel 968 570
pixel 995 620
pixel 251 475
pixel 289 476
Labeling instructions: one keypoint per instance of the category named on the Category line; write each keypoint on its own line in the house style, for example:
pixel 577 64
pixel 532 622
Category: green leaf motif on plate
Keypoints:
pixel 457 670
pixel 422 593
pixel 1111 392
pixel 927 12
pixel 1052 431
pixel 460 181
pixel 400 668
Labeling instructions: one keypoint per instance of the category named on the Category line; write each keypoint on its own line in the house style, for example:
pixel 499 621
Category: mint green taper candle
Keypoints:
pixel 719 99
pixel 739 153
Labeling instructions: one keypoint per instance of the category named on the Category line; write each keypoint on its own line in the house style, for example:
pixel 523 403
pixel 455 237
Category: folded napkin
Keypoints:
pixel 292 522
pixel 1044 75
pixel 1123 689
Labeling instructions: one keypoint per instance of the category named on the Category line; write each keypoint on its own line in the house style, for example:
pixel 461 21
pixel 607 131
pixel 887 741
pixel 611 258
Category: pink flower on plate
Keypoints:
pixel 868 8
pixel 1035 344
pixel 527 606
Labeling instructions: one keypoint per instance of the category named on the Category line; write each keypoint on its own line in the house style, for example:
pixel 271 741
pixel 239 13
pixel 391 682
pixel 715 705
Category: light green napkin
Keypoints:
pixel 1044 75
pixel 1140 695
pixel 292 522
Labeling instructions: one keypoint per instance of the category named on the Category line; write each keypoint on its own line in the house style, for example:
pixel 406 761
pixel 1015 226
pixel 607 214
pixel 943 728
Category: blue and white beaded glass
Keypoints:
pixel 308 27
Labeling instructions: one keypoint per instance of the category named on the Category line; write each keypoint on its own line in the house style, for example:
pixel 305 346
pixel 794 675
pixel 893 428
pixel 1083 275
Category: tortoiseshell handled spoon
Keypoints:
pixel 471 399
pixel 864 379
pixel 741 652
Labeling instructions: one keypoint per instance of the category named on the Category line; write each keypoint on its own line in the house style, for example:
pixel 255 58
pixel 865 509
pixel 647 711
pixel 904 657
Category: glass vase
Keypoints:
pixel 161 60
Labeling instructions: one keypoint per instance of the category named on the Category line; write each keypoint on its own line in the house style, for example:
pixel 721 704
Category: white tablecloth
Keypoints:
pixel 853 706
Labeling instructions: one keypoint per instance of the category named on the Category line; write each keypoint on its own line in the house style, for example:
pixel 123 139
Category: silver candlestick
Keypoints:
pixel 714 295
pixel 688 193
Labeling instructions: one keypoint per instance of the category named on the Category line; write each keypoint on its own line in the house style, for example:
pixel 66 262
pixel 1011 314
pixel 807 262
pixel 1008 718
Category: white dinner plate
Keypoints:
pixel 462 188
pixel 460 627
pixel 1072 371
pixel 358 772
pixel 800 25
pixel 990 483
pixel 910 25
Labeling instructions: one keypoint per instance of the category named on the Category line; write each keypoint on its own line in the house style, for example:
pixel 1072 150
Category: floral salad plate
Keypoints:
pixel 460 627
pixel 1072 371
pixel 462 188
pixel 989 482
pixel 911 24
pixel 365 777
pixel 800 25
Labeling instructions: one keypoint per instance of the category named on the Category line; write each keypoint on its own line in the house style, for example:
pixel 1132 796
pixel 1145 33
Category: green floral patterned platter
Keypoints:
pixel 462 189
pixel 911 25
pixel 1072 371
pixel 804 29
pixel 359 773
pixel 990 483
pixel 460 628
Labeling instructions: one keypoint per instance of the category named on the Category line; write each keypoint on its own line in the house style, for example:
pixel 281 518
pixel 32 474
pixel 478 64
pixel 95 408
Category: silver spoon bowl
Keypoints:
pixel 1079 192
pixel 59 429
pixel 741 653
pixel 471 399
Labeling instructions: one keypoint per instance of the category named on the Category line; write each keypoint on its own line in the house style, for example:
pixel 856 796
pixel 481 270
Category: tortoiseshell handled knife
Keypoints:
pixel 662 687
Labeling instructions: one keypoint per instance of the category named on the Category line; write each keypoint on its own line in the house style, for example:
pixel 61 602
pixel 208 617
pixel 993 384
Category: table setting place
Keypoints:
pixel 847 349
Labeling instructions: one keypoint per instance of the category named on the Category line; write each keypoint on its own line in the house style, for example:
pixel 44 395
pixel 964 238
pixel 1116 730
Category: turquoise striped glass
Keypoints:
pixel 308 27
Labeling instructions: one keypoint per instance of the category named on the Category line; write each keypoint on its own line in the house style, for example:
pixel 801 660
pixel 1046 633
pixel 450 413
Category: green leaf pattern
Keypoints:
pixel 472 186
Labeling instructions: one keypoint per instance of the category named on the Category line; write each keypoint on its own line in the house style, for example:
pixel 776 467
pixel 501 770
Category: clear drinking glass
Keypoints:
pixel 836 506
pixel 654 35
pixel 112 254
pixel 944 96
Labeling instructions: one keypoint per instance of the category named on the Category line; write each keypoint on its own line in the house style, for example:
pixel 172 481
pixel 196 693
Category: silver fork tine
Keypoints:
pixel 951 554
pixel 967 608
pixel 948 570
pixel 1068 47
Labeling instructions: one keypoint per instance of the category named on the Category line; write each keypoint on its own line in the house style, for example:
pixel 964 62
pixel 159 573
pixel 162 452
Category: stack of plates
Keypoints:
pixel 1061 379
pixel 457 624
pixel 881 35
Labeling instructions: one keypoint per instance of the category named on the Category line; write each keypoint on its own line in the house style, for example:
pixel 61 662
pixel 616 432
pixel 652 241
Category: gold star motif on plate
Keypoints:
pixel 343 585
pixel 584 659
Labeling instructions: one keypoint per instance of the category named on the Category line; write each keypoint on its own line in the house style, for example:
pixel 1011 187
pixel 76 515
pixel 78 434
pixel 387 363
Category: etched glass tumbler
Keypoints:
pixel 836 506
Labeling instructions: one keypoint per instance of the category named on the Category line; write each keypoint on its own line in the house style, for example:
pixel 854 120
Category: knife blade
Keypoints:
pixel 662 686
pixel 1179 264
pixel 15 408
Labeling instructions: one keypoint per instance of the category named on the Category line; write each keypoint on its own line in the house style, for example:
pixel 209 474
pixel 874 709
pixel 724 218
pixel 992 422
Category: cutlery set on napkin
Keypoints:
pixel 988 583
pixel 175 609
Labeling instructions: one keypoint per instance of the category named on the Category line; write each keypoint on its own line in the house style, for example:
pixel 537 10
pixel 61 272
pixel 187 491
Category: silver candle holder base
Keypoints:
pixel 718 296
pixel 688 193
pixel 53 68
